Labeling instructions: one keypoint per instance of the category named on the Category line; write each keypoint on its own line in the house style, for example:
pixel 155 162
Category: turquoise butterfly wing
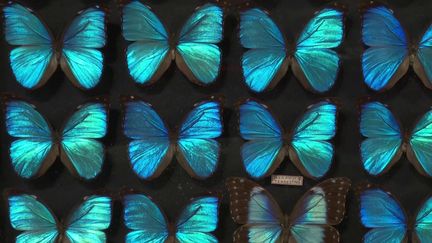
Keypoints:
pixel 32 59
pixel 32 151
pixel 89 220
pixel 199 56
pixel 81 151
pixel 311 149
pixel 263 151
pixel 316 64
pixel 147 57
pixel 145 220
pixel 423 65
pixel 198 149
pixel 385 60
pixel 382 214
pixel 149 224
pixel 198 220
pixel 81 58
pixel 39 224
pixel 36 221
pixel 420 143
pixel 382 146
pixel 264 63
pixel 423 222
pixel 312 219
pixel 149 150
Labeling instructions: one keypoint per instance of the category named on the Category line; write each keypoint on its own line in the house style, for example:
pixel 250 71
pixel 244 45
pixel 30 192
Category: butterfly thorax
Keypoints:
pixel 61 238
pixel 285 225
pixel 172 231
pixel 173 42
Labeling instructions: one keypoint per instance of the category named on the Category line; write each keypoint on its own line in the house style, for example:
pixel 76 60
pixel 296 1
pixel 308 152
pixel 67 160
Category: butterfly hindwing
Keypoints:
pixel 199 56
pixel 81 151
pixel 81 59
pixel 32 60
pixel 32 151
pixel 311 150
pixel 386 59
pixel 198 149
pixel 382 214
pixel 381 148
pixel 145 219
pixel 198 220
pixel 420 142
pixel 147 56
pixel 150 150
pixel 256 210
pixel 87 222
pixel 422 62
pixel 36 221
pixel 264 63
pixel 322 207
pixel 316 65
pixel 263 152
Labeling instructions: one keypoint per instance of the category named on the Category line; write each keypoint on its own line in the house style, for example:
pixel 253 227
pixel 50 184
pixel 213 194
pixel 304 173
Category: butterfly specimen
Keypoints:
pixel 85 224
pixel 308 145
pixel 312 219
pixel 148 223
pixel 385 141
pixel 36 145
pixel 312 58
pixel 388 222
pixel 389 53
pixel 152 49
pixel 153 146
pixel 36 54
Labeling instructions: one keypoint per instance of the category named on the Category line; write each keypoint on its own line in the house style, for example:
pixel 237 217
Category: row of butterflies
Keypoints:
pixel 35 145
pixel 314 62
pixel 313 218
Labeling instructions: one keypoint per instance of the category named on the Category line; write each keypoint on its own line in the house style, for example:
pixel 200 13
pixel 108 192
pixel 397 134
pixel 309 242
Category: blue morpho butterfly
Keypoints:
pixel 149 224
pixel 390 54
pixel 38 224
pixel 311 220
pixel 313 60
pixel 308 146
pixel 37 54
pixel 153 146
pixel 388 222
pixel 36 145
pixel 385 141
pixel 195 49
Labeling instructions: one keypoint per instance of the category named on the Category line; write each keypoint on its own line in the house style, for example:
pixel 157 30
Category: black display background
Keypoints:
pixel 173 96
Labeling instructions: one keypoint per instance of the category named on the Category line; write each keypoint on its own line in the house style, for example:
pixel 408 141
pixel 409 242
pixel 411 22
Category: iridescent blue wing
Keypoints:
pixel 81 151
pixel 423 222
pixel 198 148
pixel 311 150
pixel 150 151
pixel 144 218
pixel 33 60
pixel 381 148
pixel 36 221
pixel 81 59
pixel 381 213
pixel 256 210
pixel 386 59
pixel 419 150
pixel 423 60
pixel 263 152
pixel 322 207
pixel 264 64
pixel 198 220
pixel 199 56
pixel 32 151
pixel 87 222
pixel 147 56
pixel 316 65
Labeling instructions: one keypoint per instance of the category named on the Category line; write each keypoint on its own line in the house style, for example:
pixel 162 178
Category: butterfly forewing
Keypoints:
pixel 422 60
pixel 423 223
pixel 256 210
